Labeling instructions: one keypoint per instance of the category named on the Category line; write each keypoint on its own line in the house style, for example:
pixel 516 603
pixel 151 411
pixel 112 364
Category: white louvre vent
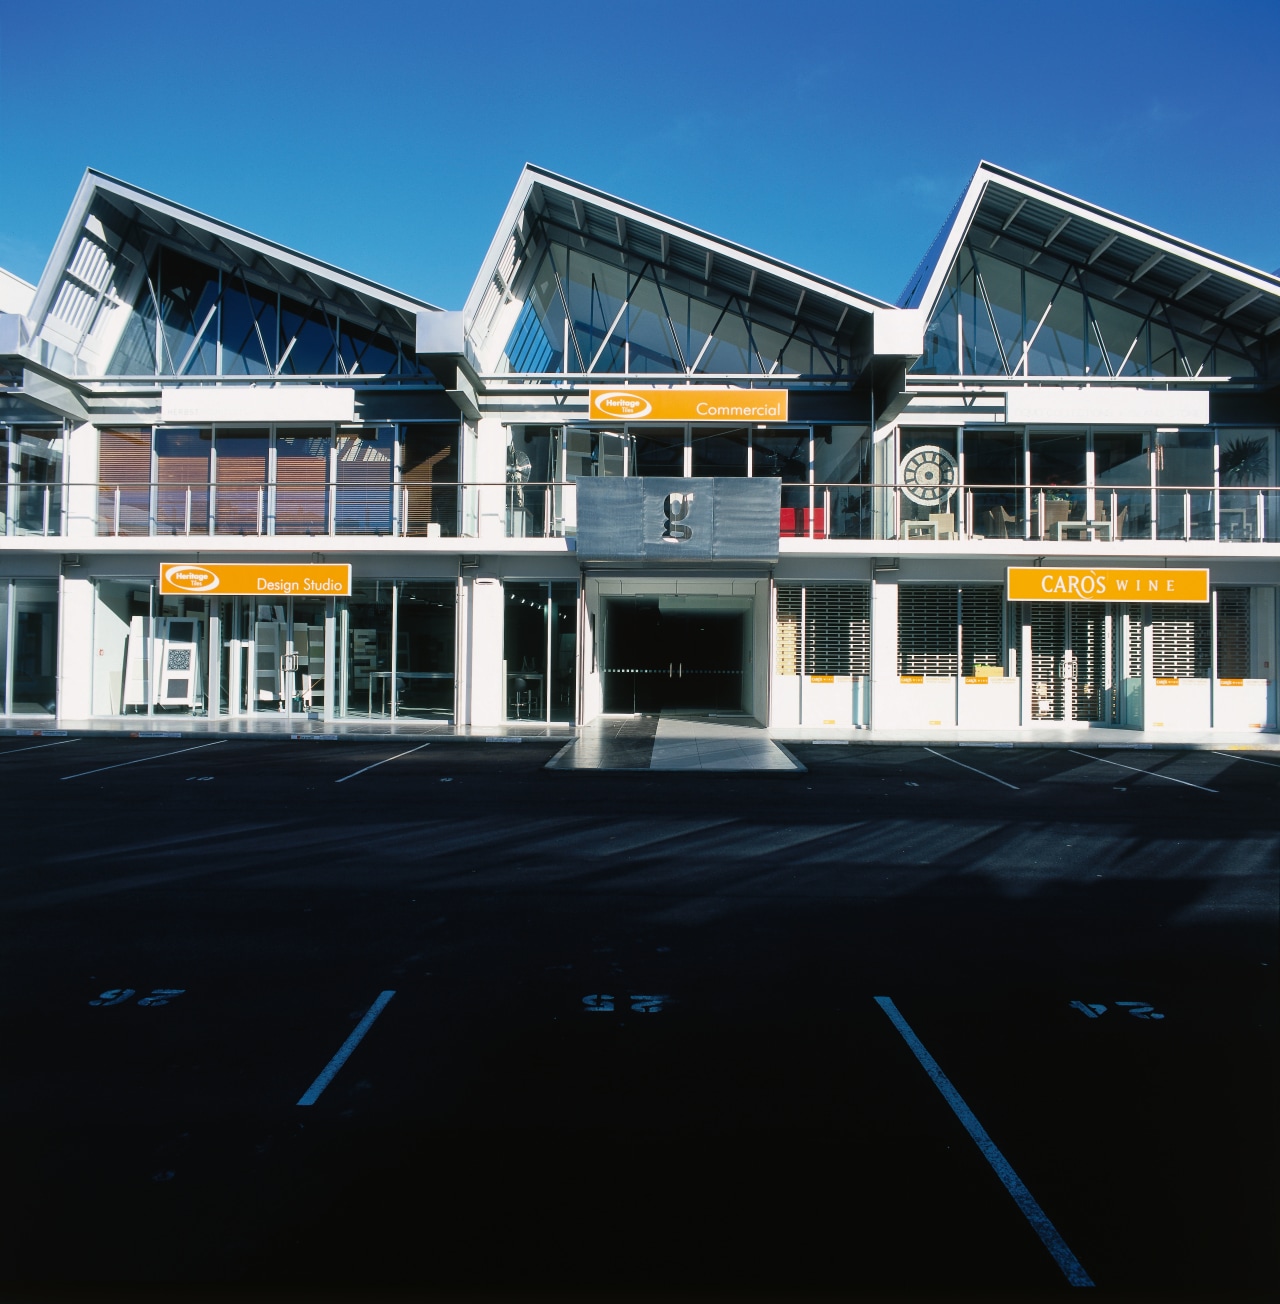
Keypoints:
pixel 1180 641
pixel 73 305
pixel 823 629
pixel 1233 634
pixel 981 626
pixel 91 264
pixel 837 629
pixel 928 642
pixel 1133 652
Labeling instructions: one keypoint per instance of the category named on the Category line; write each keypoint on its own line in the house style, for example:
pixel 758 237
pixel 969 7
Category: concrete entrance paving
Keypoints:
pixel 676 741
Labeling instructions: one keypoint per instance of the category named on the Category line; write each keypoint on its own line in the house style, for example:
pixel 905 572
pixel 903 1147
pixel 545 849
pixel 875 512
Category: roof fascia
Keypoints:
pixel 63 247
pixel 1127 226
pixel 94 183
pixel 960 223
pixel 533 174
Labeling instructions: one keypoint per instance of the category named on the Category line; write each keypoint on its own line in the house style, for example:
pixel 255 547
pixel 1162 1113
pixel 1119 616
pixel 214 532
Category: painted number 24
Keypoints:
pixel 118 996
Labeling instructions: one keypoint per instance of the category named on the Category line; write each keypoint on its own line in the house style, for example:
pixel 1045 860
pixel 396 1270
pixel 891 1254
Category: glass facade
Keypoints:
pixel 997 318
pixel 193 319
pixel 29 646
pixel 31 479
pixel 540 648
pixel 586 313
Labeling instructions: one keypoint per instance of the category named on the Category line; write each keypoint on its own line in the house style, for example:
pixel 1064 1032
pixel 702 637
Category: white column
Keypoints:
pixel 75 649
pixel 81 463
pixel 486 689
pixel 884 652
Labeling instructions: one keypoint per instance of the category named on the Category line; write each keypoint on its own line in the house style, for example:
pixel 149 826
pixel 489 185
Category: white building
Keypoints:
pixel 643 468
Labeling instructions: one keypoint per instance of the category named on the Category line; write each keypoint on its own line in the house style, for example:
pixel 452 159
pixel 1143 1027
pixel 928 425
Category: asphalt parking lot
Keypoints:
pixel 363 1020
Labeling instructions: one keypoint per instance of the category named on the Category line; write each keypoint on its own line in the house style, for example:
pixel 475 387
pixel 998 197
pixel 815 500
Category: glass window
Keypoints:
pixel 182 475
pixel 365 352
pixel 135 355
pixel 720 452
pixel 241 495
pixel 1184 464
pixel 307 345
pixel 429 478
pixel 540 647
pixel 189 311
pixel 659 450
pixel 1122 474
pixel 425 641
pixel 248 328
pixel 4 644
pixel 31 479
pixel 367 653
pixel 994 469
pixel 35 648
pixel 302 473
pixel 364 481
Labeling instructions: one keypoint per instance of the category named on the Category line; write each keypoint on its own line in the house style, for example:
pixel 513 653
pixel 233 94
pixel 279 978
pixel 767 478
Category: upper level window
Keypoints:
pixel 192 319
pixel 995 317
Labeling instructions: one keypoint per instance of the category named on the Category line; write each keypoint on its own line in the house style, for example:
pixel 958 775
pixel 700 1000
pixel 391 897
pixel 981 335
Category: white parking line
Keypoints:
pixel 158 756
pixel 375 765
pixel 1235 756
pixel 1137 769
pixel 38 746
pixel 1071 1267
pixel 312 1093
pixel 963 766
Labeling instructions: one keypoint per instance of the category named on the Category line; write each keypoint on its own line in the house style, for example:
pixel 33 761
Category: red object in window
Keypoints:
pixel 794 522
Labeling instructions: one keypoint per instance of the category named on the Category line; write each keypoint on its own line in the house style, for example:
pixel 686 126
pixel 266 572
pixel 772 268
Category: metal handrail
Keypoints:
pixel 544 509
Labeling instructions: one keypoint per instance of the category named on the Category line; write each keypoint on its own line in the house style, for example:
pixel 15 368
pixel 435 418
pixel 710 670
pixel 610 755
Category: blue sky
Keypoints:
pixel 386 138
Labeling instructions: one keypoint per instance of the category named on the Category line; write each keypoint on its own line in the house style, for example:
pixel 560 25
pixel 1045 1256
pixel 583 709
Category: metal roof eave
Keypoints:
pixel 532 175
pixel 94 182
pixel 1071 207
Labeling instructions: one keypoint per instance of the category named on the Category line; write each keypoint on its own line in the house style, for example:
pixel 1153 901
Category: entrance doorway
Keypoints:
pixel 662 656
pixel 1069 662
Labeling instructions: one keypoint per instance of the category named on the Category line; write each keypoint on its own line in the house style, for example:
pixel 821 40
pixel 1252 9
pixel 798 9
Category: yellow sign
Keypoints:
pixel 642 404
pixel 977 679
pixel 1168 681
pixel 1106 584
pixel 822 679
pixel 1230 683
pixel 911 679
pixel 268 579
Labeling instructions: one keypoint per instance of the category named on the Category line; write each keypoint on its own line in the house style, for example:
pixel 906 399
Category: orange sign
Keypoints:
pixel 1106 584
pixel 268 579
pixel 639 403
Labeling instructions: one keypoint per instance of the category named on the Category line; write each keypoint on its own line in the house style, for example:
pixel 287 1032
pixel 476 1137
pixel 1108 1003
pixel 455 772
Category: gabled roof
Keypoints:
pixel 96 264
pixel 605 221
pixel 1000 206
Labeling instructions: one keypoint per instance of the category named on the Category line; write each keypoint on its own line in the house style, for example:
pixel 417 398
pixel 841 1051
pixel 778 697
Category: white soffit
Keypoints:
pixel 1063 404
pixel 205 404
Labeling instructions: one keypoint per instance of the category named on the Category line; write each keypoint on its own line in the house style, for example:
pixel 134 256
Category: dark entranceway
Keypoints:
pixel 671 660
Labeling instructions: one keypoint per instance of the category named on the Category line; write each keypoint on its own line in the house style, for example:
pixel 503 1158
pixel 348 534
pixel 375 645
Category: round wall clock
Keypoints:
pixel 928 475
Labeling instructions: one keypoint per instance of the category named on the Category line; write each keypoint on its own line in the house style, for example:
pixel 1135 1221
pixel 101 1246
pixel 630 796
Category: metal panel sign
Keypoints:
pixel 1106 584
pixel 652 518
pixel 641 404
pixel 269 579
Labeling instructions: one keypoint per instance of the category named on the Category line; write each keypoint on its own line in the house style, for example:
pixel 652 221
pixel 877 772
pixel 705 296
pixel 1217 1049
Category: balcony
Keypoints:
pixel 970 514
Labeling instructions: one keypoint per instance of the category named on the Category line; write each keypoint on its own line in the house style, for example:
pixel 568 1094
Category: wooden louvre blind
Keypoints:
pixel 364 482
pixel 1234 659
pixel 124 481
pixel 182 480
pixel 429 477
pixel 302 472
pixel 242 481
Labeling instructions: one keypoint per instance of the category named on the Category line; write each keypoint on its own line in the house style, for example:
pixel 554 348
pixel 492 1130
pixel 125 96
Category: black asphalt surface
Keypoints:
pixel 634 1048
